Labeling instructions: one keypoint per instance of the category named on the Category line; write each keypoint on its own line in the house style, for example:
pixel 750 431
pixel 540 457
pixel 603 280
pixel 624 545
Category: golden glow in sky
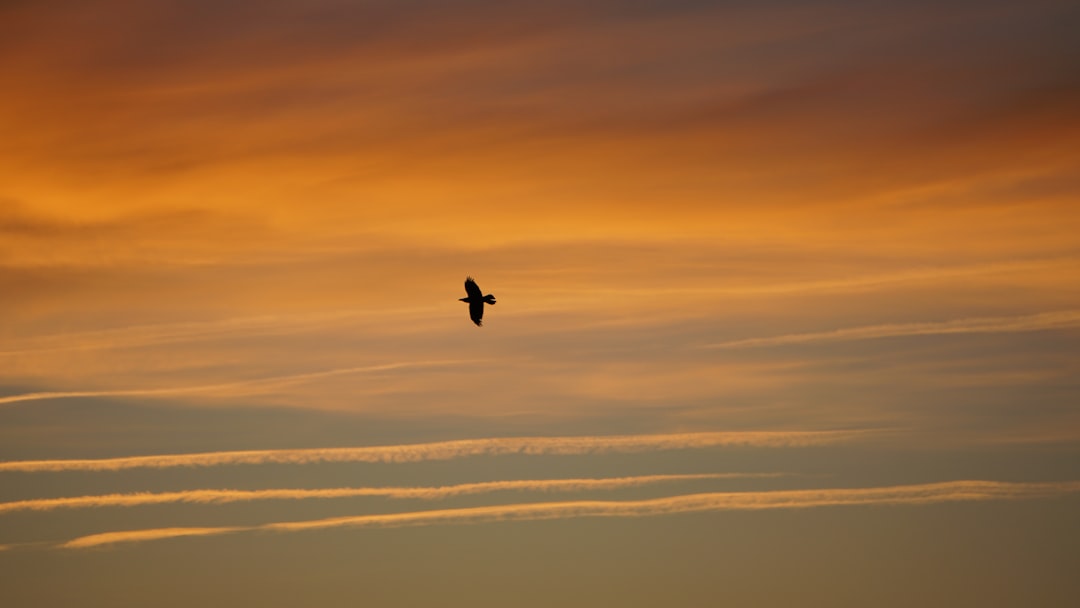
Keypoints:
pixel 750 258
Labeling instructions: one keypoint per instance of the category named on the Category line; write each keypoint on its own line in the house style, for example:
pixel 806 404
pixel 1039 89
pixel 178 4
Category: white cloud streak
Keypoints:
pixel 1036 322
pixel 921 494
pixel 213 496
pixel 447 450
pixel 242 387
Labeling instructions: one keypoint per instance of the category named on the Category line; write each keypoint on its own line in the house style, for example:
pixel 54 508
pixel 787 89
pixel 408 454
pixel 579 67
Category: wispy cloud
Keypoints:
pixel 446 450
pixel 135 336
pixel 870 282
pixel 952 491
pixel 1036 322
pixel 145 535
pixel 212 496
pixel 167 333
pixel 243 387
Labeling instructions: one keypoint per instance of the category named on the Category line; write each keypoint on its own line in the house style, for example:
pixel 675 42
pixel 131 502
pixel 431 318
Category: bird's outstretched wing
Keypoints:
pixel 476 310
pixel 473 290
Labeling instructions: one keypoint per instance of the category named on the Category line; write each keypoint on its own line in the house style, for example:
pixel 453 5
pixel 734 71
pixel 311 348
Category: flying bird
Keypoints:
pixel 476 300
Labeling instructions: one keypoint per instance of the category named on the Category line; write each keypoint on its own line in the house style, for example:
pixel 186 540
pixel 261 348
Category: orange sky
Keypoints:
pixel 229 226
pixel 772 168
pixel 234 136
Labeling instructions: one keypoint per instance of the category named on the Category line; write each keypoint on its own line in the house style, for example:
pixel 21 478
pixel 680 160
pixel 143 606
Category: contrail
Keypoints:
pixel 1036 322
pixel 241 387
pixel 169 333
pixel 921 494
pixel 850 283
pixel 446 450
pixel 145 535
pixel 144 335
pixel 211 496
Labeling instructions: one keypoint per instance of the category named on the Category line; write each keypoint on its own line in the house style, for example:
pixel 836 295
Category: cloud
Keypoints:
pixel 167 333
pixel 109 538
pixel 211 496
pixel 569 293
pixel 921 494
pixel 243 387
pixel 909 276
pixel 1036 322
pixel 135 336
pixel 446 450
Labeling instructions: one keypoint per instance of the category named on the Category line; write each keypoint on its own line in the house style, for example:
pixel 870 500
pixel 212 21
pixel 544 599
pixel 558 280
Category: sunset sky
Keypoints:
pixel 788 303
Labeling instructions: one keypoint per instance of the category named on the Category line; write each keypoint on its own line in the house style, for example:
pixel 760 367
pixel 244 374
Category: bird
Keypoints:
pixel 476 301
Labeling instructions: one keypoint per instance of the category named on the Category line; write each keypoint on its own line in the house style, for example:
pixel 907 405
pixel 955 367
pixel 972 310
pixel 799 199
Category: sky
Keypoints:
pixel 788 303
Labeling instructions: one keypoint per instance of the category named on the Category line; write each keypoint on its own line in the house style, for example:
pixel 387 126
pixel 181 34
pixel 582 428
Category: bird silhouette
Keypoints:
pixel 476 301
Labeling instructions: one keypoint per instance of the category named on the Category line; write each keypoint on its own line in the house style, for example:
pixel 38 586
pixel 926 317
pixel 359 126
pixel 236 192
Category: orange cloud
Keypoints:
pixel 110 538
pixel 680 173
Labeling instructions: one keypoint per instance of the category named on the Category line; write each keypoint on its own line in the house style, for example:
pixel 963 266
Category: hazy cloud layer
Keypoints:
pixel 573 292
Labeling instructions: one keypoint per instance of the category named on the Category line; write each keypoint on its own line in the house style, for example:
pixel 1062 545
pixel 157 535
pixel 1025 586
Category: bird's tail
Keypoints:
pixel 490 299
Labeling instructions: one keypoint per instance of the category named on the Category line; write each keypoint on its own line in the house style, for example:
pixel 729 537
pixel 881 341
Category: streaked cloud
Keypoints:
pixel 169 333
pixel 145 535
pixel 1037 322
pixel 922 494
pixel 570 294
pixel 446 450
pixel 244 387
pixel 211 496
pixel 218 219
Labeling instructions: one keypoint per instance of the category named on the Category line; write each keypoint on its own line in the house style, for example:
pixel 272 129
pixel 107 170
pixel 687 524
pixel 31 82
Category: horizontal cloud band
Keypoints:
pixel 952 491
pixel 241 387
pixel 446 450
pixel 169 333
pixel 423 493
pixel 1037 322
